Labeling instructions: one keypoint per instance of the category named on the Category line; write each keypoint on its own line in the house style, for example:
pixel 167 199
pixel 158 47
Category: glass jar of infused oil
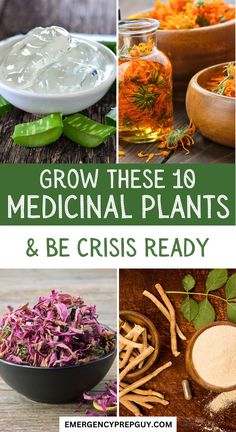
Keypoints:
pixel 145 83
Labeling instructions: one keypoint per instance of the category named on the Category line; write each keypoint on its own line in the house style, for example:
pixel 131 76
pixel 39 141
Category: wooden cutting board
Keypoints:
pixel 192 415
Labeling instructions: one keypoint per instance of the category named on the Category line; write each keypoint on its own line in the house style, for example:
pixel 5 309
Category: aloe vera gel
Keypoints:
pixel 51 61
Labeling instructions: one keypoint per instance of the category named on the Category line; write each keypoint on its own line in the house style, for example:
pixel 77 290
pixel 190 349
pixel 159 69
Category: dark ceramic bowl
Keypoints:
pixel 56 385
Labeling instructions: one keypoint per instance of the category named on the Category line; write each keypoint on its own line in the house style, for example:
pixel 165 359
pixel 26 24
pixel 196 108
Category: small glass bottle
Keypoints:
pixel 145 83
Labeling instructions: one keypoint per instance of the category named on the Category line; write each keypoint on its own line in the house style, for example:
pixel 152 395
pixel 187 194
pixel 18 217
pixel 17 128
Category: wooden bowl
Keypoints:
pixel 142 320
pixel 189 362
pixel 191 50
pixel 212 114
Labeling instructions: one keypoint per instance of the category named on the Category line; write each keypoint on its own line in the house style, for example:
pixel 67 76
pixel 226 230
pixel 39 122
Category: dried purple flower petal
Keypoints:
pixel 105 398
pixel 60 330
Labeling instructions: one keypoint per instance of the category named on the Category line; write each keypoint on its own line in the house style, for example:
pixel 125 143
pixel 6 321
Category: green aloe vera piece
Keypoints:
pixel 39 133
pixel 109 44
pixel 4 106
pixel 86 132
pixel 110 118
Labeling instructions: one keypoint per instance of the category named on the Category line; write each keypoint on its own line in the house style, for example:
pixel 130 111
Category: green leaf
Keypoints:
pixel 230 289
pixel 216 279
pixel 231 312
pixel 86 132
pixel 4 106
pixel 189 308
pixel 206 314
pixel 111 117
pixel 39 133
pixel 188 282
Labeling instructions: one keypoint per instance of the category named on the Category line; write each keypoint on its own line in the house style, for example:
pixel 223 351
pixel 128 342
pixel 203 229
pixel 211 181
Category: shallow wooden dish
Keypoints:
pixel 194 49
pixel 189 363
pixel 140 319
pixel 212 114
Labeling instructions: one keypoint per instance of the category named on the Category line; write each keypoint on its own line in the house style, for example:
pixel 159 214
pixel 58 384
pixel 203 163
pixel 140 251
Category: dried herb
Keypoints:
pixel 223 83
pixel 144 98
pixel 59 330
pixel 180 138
pixel 145 90
pixel 187 14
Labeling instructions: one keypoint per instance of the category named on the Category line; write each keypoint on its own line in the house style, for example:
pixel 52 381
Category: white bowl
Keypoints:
pixel 69 103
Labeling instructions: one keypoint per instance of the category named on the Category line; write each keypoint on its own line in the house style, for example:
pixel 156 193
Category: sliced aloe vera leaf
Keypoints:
pixel 86 132
pixel 109 44
pixel 39 133
pixel 4 106
pixel 110 118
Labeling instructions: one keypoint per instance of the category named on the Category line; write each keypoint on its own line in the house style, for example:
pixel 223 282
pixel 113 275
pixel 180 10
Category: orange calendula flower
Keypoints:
pixel 187 14
pixel 142 49
pixel 223 83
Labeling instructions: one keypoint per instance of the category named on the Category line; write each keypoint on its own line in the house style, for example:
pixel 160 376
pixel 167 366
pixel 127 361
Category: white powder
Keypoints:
pixel 214 354
pixel 222 401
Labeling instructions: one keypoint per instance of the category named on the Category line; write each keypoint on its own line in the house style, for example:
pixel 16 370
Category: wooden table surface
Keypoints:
pixel 203 151
pixel 17 413
pixel 192 415
pixel 82 16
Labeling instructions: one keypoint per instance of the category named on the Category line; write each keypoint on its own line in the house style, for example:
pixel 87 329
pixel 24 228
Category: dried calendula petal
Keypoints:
pixel 150 156
pixel 141 154
pixel 121 153
pixel 179 138
pixel 161 146
pixel 142 49
pixel 164 154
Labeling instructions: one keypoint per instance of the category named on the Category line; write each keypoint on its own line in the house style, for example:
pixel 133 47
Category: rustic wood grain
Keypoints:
pixel 203 151
pixel 62 151
pixel 83 16
pixel 98 287
pixel 192 415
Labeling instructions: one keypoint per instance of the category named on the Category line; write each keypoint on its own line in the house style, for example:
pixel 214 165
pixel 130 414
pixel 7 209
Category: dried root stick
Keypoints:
pixel 171 310
pixel 129 351
pixel 164 311
pixel 124 341
pixel 128 336
pixel 144 392
pixel 135 362
pixel 145 345
pixel 138 398
pixel 131 407
pixel 126 327
pixel 144 380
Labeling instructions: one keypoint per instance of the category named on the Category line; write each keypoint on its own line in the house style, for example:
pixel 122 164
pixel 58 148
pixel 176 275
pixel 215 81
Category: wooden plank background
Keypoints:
pixel 192 415
pixel 82 16
pixel 98 287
